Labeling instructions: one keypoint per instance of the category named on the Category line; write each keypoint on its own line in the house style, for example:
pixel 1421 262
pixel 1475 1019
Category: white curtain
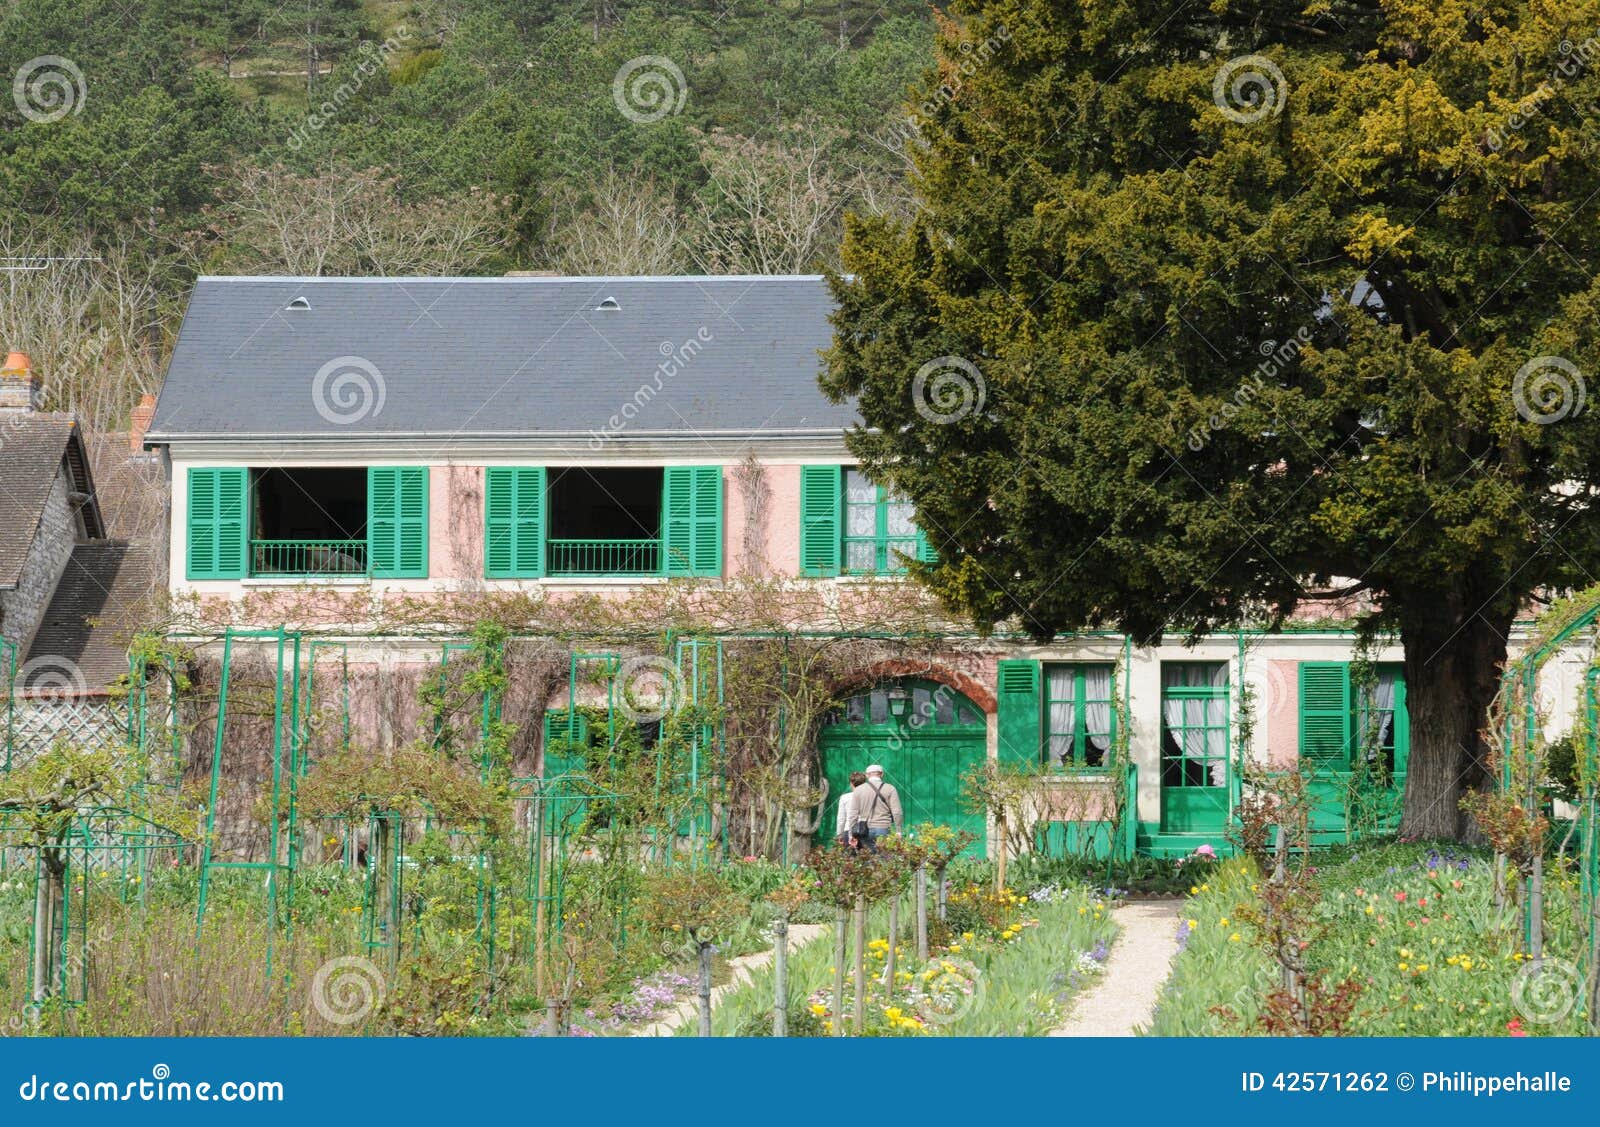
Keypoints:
pixel 1063 713
pixel 1097 713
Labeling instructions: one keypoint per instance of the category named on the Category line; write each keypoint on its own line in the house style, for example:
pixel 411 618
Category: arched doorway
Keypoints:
pixel 924 734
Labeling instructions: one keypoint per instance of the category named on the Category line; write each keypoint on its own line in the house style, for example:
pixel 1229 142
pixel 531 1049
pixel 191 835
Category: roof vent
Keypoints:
pixel 608 305
pixel 298 303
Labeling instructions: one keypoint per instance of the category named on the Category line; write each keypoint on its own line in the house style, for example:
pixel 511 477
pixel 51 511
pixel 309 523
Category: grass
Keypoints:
pixel 1413 926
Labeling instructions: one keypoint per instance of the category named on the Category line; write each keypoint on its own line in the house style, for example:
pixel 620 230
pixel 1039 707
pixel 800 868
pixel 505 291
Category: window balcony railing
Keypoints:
pixel 307 558
pixel 603 557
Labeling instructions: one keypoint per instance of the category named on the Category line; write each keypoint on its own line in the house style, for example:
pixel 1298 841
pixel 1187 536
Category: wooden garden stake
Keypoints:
pixel 861 965
pixel 1000 859
pixel 839 917
pixel 922 913
pixel 894 940
pixel 780 977
pixel 705 989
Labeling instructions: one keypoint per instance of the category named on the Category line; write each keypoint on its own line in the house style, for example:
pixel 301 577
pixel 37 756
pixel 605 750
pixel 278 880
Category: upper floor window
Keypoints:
pixel 851 526
pixel 602 522
pixel 307 522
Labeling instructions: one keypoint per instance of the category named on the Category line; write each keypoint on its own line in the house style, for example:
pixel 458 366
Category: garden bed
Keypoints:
pixel 1406 937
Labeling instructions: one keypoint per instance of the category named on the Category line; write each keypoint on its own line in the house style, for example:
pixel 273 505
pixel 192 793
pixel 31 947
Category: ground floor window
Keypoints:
pixel 1079 719
pixel 1343 724
pixel 1194 724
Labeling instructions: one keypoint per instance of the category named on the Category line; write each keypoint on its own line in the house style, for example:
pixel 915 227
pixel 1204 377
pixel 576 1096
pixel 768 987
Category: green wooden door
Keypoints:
pixel 1196 747
pixel 925 736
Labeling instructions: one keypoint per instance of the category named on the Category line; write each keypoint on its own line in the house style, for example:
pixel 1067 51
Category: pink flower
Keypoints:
pixel 1399 898
pixel 1514 1028
pixel 1205 851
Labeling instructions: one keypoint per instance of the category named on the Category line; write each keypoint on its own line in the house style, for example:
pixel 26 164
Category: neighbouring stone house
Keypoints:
pixel 67 590
pixel 344 454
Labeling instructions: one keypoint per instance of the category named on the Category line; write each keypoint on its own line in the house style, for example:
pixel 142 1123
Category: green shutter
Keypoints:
pixel 821 532
pixel 1019 713
pixel 561 727
pixel 691 506
pixel 1325 713
pixel 925 552
pixel 397 522
pixel 513 522
pixel 219 526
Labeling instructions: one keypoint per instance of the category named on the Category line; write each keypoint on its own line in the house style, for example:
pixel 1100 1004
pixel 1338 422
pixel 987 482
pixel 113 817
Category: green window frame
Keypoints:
pixel 691 520
pixel 1196 735
pixel 1080 715
pixel 397 522
pixel 879 529
pixel 218 522
pixel 514 502
pixel 1018 712
pixel 1336 719
pixel 852 526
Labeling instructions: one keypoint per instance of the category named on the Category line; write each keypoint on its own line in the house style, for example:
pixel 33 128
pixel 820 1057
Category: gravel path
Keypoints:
pixel 1125 995
pixel 688 1010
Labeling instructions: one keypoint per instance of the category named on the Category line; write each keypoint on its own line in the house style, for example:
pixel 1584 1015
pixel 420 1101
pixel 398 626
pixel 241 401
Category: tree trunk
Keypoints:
pixel 1452 669
pixel 49 898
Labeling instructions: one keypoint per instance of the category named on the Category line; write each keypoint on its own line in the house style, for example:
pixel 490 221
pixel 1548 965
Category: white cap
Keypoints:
pixel 875 770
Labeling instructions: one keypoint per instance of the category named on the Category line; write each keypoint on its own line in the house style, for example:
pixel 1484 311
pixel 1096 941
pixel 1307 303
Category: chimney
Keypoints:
pixel 139 423
pixel 21 388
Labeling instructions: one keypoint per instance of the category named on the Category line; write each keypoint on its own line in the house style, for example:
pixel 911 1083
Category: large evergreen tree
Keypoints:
pixel 1214 310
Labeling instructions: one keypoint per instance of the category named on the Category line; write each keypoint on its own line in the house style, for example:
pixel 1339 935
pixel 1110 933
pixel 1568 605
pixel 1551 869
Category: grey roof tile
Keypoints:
pixel 500 356
pixel 31 449
pixel 92 616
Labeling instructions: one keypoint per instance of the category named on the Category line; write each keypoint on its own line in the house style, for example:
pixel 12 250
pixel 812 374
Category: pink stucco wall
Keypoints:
pixel 455 525
pixel 1283 713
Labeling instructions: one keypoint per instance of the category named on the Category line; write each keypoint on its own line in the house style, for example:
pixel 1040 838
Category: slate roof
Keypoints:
pixel 491 357
pixel 91 617
pixel 32 446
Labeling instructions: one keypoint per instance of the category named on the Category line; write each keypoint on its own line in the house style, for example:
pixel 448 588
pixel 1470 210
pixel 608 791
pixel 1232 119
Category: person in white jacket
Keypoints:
pixel 847 810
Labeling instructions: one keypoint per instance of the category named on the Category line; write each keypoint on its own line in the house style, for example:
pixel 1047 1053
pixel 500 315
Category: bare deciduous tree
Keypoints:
pixel 626 226
pixel 353 222
pixel 772 207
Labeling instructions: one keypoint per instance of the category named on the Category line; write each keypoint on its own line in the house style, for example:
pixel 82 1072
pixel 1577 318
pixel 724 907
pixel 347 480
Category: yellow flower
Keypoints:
pixel 1405 952
pixel 1421 967
pixel 1193 924
pixel 1193 890
pixel 1223 921
pixel 1369 909
pixel 1234 938
pixel 968 936
pixel 818 1008
pixel 1405 966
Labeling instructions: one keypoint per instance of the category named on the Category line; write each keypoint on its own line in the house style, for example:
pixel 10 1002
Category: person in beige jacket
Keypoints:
pixel 876 803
